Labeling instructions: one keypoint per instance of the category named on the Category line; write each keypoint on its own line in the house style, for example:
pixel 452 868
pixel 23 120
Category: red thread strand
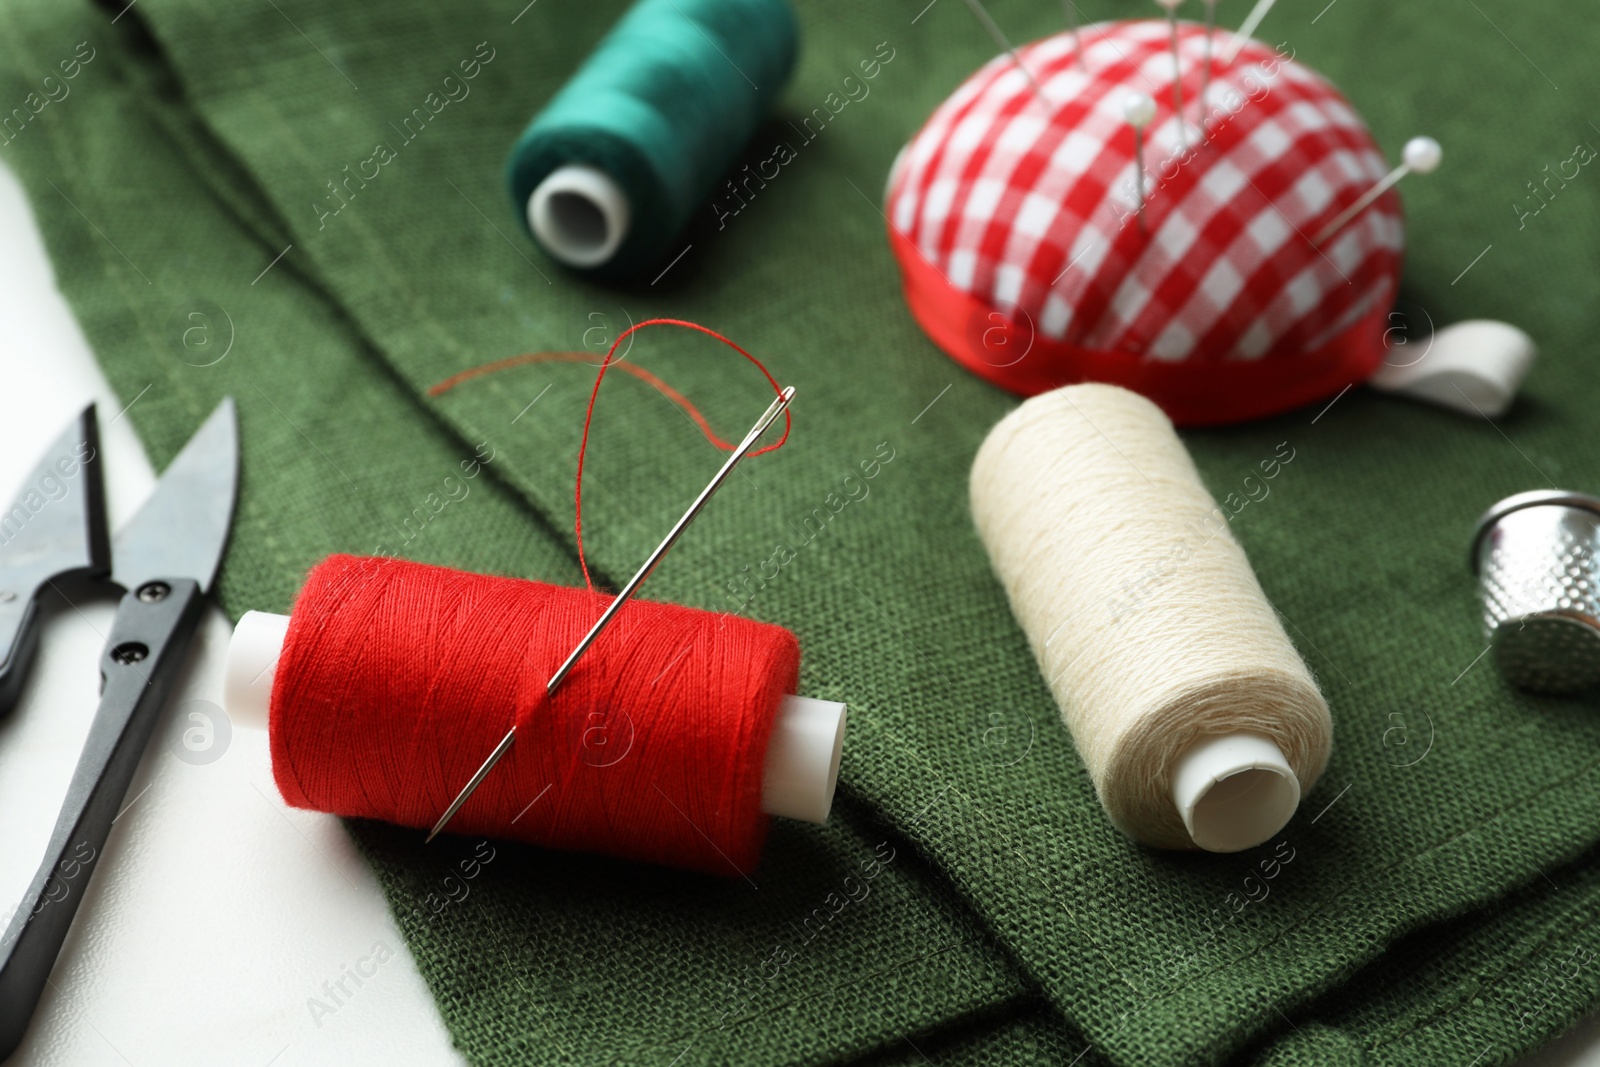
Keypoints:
pixel 397 678
pixel 684 403
pixel 588 417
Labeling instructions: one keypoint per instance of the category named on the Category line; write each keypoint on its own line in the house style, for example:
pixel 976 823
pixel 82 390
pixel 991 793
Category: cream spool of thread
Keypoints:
pixel 1197 720
pixel 802 759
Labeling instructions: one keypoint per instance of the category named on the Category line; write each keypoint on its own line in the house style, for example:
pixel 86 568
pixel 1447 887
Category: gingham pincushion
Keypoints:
pixel 1016 224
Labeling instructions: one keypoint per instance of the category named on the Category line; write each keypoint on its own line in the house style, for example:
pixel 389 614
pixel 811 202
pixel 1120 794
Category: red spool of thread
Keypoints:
pixel 398 678
pixel 671 741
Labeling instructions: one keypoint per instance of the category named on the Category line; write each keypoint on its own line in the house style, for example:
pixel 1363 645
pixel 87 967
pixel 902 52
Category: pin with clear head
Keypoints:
pixel 1002 42
pixel 1171 7
pixel 1242 35
pixel 1071 10
pixel 1205 78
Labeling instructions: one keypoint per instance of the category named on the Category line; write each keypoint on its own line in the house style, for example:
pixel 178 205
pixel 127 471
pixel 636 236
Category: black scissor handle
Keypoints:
pixel 149 641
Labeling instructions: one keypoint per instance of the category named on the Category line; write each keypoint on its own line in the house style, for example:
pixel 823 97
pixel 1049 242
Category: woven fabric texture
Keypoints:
pixel 1439 905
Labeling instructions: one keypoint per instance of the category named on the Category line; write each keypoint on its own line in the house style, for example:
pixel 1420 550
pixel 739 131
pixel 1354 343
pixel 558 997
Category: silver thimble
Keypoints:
pixel 1535 555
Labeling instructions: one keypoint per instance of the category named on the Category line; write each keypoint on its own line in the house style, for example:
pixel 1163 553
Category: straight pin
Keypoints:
pixel 1139 109
pixel 1177 66
pixel 983 16
pixel 1071 10
pixel 1421 155
pixel 776 408
pixel 1205 78
pixel 1241 36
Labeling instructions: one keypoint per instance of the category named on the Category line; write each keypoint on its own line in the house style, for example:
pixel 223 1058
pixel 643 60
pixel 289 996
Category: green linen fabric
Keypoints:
pixel 1434 901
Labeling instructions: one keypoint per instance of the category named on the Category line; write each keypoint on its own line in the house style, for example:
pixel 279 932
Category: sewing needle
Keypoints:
pixel 776 408
pixel 1004 44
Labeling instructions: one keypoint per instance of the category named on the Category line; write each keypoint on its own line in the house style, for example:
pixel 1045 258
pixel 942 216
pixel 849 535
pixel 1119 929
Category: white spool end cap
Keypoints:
pixel 252 663
pixel 803 759
pixel 1234 792
pixel 798 781
pixel 579 214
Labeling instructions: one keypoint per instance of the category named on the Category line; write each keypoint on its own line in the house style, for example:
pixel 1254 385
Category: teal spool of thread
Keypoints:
pixel 606 177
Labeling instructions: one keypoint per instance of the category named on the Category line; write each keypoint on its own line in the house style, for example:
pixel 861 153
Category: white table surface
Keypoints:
pixel 216 913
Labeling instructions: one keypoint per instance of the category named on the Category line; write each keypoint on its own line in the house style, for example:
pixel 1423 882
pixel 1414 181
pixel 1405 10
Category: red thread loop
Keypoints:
pixel 588 417
pixel 525 359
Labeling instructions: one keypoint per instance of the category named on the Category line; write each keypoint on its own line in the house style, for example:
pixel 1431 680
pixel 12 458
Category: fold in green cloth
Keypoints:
pixel 301 177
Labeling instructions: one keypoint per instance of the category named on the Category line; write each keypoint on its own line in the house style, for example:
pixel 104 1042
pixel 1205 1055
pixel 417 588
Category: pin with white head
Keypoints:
pixel 981 13
pixel 1071 10
pixel 1140 110
pixel 1421 155
pixel 1171 7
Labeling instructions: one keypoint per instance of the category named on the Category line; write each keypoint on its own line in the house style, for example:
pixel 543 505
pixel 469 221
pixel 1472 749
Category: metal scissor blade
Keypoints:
pixel 181 530
pixel 54 528
pixel 164 558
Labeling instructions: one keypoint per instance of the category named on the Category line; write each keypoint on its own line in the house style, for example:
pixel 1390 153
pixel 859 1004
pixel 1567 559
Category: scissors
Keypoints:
pixel 162 561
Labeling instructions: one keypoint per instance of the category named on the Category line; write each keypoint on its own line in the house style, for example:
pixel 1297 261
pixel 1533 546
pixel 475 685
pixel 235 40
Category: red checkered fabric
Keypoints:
pixel 1029 207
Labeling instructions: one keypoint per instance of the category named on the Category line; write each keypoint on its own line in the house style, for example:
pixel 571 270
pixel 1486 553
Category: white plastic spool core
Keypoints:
pixel 797 782
pixel 1234 792
pixel 252 663
pixel 580 215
